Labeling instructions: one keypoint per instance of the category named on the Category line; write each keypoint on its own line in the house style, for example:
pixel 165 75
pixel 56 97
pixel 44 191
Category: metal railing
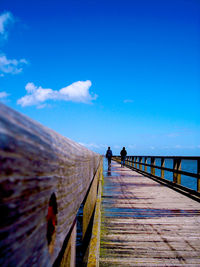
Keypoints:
pixel 160 167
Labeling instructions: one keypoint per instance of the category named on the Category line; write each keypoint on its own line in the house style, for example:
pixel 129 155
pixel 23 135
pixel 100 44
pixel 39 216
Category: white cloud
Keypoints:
pixel 76 92
pixel 5 19
pixel 131 146
pixel 173 135
pixel 128 101
pixel 3 95
pixel 12 66
pixel 93 145
pixel 30 88
pixel 42 106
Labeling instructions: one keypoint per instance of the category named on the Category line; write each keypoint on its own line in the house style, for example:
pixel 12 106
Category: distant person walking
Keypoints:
pixel 123 154
pixel 109 156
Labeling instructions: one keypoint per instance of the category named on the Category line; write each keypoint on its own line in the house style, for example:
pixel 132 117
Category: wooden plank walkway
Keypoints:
pixel 145 223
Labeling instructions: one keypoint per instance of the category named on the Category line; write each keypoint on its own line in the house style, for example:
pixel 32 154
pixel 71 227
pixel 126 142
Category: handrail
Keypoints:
pixel 166 157
pixel 140 164
pixel 168 169
pixel 44 178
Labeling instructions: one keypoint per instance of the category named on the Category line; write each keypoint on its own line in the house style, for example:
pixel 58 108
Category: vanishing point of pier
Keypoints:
pixel 62 206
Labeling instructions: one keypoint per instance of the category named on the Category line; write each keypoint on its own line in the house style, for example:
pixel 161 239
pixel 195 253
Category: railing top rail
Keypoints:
pixel 152 170
pixel 165 157
pixel 39 167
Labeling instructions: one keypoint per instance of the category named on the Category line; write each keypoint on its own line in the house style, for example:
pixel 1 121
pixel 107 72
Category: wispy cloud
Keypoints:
pixel 117 146
pixel 128 101
pixel 185 146
pixel 173 135
pixel 3 95
pixel 8 66
pixel 178 146
pixel 93 145
pixel 131 146
pixel 12 66
pixel 76 92
pixel 5 19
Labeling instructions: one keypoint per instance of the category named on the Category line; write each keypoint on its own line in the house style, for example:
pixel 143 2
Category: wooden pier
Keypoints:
pixel 57 210
pixel 145 223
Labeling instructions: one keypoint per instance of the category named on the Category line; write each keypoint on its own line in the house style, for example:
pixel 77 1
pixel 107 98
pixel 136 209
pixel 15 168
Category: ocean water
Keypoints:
pixel 186 165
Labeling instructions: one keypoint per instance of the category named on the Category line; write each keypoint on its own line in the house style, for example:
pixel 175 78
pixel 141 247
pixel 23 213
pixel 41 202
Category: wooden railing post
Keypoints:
pixel 69 257
pixel 90 203
pixel 140 165
pixel 153 164
pixel 145 162
pixel 94 246
pixel 136 165
pixel 162 166
pixel 198 172
pixel 177 167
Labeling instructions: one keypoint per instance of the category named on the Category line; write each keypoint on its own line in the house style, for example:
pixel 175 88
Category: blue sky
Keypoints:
pixel 118 73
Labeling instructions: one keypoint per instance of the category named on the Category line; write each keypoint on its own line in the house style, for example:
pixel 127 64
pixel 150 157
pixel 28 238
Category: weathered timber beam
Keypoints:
pixel 37 163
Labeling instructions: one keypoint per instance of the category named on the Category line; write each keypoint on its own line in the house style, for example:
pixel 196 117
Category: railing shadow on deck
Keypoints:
pixel 169 170
pixel 45 179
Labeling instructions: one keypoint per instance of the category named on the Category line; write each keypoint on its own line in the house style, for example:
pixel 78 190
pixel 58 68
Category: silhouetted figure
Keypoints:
pixel 109 156
pixel 123 154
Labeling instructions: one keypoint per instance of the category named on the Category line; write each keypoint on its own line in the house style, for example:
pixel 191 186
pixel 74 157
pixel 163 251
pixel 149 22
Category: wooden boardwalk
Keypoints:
pixel 145 223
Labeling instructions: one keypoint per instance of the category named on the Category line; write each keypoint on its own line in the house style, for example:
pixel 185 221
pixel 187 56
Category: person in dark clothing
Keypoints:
pixel 109 156
pixel 123 154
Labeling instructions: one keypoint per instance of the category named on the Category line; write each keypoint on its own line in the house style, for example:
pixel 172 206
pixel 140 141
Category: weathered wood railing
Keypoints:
pixel 44 179
pixel 149 165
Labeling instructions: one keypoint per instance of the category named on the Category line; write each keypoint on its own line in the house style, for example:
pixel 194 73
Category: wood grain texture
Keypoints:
pixel 34 163
pixel 145 223
pixel 90 201
pixel 94 246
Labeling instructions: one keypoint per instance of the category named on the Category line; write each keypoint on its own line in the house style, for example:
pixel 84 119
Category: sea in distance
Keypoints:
pixel 186 165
